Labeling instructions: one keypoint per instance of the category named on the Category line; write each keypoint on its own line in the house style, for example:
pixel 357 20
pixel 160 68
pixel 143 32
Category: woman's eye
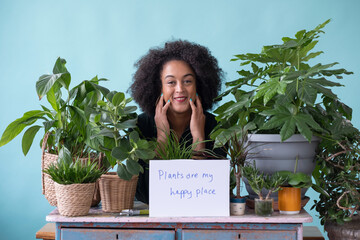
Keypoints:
pixel 171 82
pixel 187 82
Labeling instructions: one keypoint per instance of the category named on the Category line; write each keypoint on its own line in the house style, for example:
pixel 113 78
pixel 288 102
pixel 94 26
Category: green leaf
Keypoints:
pixel 131 123
pixel 45 83
pixel 15 128
pixel 65 156
pixel 118 98
pixel 28 138
pixel 134 136
pixel 288 129
pixel 145 154
pixel 133 167
pixel 307 94
pixel 122 151
pixel 123 173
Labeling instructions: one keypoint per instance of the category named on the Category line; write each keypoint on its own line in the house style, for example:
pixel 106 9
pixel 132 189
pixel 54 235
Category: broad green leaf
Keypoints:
pixel 288 129
pixel 45 83
pixel 50 96
pixel 306 93
pixel 134 136
pixel 123 173
pixel 304 129
pixel 131 123
pixel 28 138
pixel 130 109
pixel 15 128
pixel 122 151
pixel 118 98
pixel 65 156
pixel 132 167
pixel 143 144
pixel 145 154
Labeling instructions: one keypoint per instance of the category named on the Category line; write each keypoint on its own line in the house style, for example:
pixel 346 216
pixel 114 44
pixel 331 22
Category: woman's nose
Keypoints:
pixel 179 87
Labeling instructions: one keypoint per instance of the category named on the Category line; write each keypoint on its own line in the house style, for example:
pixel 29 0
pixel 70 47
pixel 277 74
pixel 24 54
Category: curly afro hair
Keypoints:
pixel 146 86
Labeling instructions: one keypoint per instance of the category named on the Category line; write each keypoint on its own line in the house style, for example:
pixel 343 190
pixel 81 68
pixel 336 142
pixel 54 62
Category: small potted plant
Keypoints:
pixel 114 126
pixel 64 122
pixel 74 184
pixel 235 142
pixel 259 181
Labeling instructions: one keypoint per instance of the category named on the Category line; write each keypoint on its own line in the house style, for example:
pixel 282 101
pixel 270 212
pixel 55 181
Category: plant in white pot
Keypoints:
pixel 74 184
pixel 287 98
pixel 235 142
pixel 114 128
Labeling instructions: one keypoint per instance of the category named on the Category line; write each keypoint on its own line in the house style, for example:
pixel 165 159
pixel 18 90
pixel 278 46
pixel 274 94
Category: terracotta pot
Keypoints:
pixel 289 200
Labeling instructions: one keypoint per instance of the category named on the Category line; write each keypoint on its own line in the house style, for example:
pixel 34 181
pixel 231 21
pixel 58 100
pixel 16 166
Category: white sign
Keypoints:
pixel 189 188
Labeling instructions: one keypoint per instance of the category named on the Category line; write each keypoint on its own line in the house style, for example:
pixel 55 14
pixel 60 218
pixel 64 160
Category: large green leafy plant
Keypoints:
pixel 114 132
pixel 64 118
pixel 281 92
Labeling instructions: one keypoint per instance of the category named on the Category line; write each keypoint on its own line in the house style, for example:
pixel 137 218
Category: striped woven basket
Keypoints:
pixel 117 194
pixel 74 199
pixel 48 187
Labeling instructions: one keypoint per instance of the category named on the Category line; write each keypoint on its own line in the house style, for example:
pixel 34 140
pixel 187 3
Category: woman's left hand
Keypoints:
pixel 197 123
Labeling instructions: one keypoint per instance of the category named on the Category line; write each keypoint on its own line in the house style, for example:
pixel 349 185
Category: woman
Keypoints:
pixel 175 86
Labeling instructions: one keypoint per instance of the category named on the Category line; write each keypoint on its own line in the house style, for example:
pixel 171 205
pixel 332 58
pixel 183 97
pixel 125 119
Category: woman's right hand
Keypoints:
pixel 161 120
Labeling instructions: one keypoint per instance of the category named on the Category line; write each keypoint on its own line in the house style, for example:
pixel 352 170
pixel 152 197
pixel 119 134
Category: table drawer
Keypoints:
pixel 114 234
pixel 188 234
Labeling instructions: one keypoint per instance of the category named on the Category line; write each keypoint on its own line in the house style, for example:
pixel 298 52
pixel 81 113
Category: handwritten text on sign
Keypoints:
pixel 189 188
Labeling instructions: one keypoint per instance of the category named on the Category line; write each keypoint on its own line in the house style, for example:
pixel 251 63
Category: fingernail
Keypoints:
pixel 169 100
pixel 161 95
pixel 190 99
pixel 197 94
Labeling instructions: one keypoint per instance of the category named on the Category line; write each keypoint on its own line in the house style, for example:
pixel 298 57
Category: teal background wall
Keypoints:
pixel 106 37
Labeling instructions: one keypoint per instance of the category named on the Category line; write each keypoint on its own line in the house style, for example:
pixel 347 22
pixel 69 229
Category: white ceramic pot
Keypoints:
pixel 237 206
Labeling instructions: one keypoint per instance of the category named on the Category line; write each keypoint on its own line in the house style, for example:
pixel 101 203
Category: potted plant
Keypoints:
pixel 235 142
pixel 259 182
pixel 337 172
pixel 74 185
pixel 114 126
pixel 287 99
pixel 65 125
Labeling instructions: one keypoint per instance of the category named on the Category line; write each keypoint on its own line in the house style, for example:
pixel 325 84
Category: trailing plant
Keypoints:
pixel 74 172
pixel 65 120
pixel 113 126
pixel 281 92
pixel 338 173
pixel 258 180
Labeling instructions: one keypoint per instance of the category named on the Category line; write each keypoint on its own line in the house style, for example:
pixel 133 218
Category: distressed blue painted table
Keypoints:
pixel 99 225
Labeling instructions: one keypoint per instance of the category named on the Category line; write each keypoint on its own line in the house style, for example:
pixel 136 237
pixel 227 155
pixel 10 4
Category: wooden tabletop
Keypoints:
pixel 97 215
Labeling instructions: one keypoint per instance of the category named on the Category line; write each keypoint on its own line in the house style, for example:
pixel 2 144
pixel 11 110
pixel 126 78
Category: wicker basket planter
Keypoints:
pixel 48 187
pixel 117 194
pixel 74 199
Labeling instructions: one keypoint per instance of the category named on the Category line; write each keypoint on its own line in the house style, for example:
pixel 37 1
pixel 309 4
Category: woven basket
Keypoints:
pixel 117 194
pixel 48 188
pixel 74 199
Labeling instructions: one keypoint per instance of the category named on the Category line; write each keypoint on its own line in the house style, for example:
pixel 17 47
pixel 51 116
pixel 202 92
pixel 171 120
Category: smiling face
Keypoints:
pixel 178 85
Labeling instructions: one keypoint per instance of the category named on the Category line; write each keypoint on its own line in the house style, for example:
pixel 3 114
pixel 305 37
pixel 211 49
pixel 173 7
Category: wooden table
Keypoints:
pixel 100 225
